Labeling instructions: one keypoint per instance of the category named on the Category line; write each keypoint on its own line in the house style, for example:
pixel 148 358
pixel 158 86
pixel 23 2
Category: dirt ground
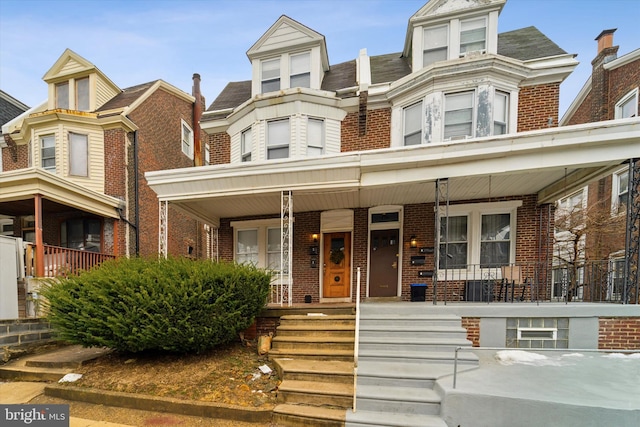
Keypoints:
pixel 229 375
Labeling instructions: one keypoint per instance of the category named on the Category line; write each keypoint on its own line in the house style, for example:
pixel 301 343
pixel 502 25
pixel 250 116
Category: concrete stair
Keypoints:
pixel 314 357
pixel 402 353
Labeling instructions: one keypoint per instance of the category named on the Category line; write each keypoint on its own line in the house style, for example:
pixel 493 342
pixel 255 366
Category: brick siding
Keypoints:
pixel 536 104
pixel 472 325
pixel 619 333
pixel 377 135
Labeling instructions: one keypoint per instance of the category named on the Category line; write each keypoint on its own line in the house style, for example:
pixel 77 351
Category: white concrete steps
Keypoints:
pixel 417 356
pixel 402 399
pixel 363 418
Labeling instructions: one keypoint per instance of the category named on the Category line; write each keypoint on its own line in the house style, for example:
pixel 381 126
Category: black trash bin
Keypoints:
pixel 418 292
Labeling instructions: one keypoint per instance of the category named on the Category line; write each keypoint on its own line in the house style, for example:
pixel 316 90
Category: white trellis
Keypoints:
pixel 163 209
pixel 286 246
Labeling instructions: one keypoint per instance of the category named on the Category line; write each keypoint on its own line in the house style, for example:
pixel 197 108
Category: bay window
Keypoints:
pixel 278 138
pixel 500 113
pixel 458 115
pixel 413 124
pixel 78 154
pixel 315 137
pixel 245 145
pixel 48 153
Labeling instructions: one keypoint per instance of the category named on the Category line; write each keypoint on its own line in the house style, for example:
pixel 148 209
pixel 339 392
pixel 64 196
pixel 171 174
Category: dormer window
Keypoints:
pixel 473 36
pixel 82 94
pixel 436 45
pixel 62 95
pixel 271 75
pixel 300 70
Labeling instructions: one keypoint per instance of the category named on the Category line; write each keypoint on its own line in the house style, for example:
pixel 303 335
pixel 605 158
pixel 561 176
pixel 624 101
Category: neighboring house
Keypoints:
pixel 73 168
pixel 9 109
pixel 610 93
pixel 438 165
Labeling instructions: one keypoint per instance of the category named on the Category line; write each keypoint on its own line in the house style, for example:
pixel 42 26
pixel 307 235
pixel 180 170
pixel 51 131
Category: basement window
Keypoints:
pixel 537 333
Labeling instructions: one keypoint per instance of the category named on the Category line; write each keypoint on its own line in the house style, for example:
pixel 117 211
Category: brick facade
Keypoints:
pixel 377 135
pixel 537 105
pixel 472 325
pixel 619 333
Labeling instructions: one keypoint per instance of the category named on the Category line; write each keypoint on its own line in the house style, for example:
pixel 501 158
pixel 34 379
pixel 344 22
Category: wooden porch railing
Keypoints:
pixel 59 261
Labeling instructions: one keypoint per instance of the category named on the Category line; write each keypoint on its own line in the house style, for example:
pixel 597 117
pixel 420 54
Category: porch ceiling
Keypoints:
pixel 549 163
pixel 18 189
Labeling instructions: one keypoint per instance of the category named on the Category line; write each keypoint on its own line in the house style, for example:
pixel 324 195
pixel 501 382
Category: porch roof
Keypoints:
pixel 18 189
pixel 549 163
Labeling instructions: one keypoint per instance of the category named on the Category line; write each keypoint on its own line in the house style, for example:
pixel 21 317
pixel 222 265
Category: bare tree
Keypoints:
pixel 585 234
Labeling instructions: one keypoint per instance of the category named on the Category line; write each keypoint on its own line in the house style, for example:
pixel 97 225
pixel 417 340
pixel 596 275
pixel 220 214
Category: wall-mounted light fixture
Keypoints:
pixel 315 238
pixel 413 242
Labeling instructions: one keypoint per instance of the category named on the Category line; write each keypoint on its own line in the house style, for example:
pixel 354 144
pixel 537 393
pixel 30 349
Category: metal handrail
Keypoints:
pixel 357 339
pixel 533 350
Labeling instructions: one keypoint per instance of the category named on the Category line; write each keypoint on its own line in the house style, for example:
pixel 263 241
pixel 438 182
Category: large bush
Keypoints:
pixel 175 305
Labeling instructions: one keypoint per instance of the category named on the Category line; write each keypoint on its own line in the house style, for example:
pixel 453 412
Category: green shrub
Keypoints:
pixel 174 305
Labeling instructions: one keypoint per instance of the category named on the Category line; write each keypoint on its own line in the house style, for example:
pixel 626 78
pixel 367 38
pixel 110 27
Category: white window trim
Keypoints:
pixel 268 146
pixel 507 97
pixel 486 35
pixel 615 190
pixel 189 152
pixel 290 71
pixel 71 154
pixel 474 212
pixel 249 154
pixel 447 45
pixel 262 226
pixel 280 72
pixel 323 136
pixel 55 155
pixel 625 99
pixel 404 121
pixel 474 112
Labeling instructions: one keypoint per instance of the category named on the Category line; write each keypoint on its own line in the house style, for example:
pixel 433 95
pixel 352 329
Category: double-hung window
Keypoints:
pixel 454 244
pixel 627 106
pixel 458 115
pixel 495 240
pixel 62 95
pixel 48 152
pixel 78 154
pixel 274 237
pixel 300 70
pixel 187 139
pixel 473 35
pixel 500 113
pixel 245 145
pixel 315 137
pixel 270 75
pixel 82 94
pixel 278 138
pixel 435 42
pixel 413 124
pixel 620 191
pixel 247 246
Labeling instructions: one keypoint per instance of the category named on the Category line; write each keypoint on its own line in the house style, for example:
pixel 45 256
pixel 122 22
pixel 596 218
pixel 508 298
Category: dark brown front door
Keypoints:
pixel 337 265
pixel 383 270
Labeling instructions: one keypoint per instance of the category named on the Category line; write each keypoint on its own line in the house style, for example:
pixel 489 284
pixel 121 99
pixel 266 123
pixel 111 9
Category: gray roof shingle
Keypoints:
pixel 527 43
pixel 127 96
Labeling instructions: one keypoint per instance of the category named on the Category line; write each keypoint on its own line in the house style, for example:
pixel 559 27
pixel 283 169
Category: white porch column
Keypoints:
pixel 286 247
pixel 163 209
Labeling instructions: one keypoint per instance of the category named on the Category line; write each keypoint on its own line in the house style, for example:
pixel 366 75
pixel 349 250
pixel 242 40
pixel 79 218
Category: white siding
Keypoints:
pixel 104 92
pixel 235 148
pixel 332 135
pixel 71 67
pixel 284 36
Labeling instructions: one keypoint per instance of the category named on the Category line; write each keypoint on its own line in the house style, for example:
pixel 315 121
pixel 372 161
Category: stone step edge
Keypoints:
pixel 343 368
pixel 318 317
pixel 319 339
pixel 316 387
pixel 385 419
pixel 160 404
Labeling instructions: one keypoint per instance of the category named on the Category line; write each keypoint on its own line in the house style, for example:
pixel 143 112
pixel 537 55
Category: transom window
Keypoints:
pixel 278 137
pixel 627 106
pixel 473 35
pixel 458 115
pixel 48 152
pixel 78 154
pixel 82 94
pixel 413 124
pixel 315 137
pixel 300 70
pixel 187 139
pixel 62 95
pixel 500 113
pixel 435 45
pixel 270 75
pixel 245 145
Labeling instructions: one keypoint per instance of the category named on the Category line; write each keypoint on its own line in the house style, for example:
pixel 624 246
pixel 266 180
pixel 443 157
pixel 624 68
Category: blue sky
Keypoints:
pixel 137 41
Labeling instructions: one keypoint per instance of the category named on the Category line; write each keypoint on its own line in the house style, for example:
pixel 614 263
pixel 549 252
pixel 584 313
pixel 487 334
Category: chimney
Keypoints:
pixel 605 39
pixel 197 113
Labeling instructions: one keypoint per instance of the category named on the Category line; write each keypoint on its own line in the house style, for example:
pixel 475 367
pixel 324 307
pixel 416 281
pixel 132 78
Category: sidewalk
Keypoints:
pixel 24 392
